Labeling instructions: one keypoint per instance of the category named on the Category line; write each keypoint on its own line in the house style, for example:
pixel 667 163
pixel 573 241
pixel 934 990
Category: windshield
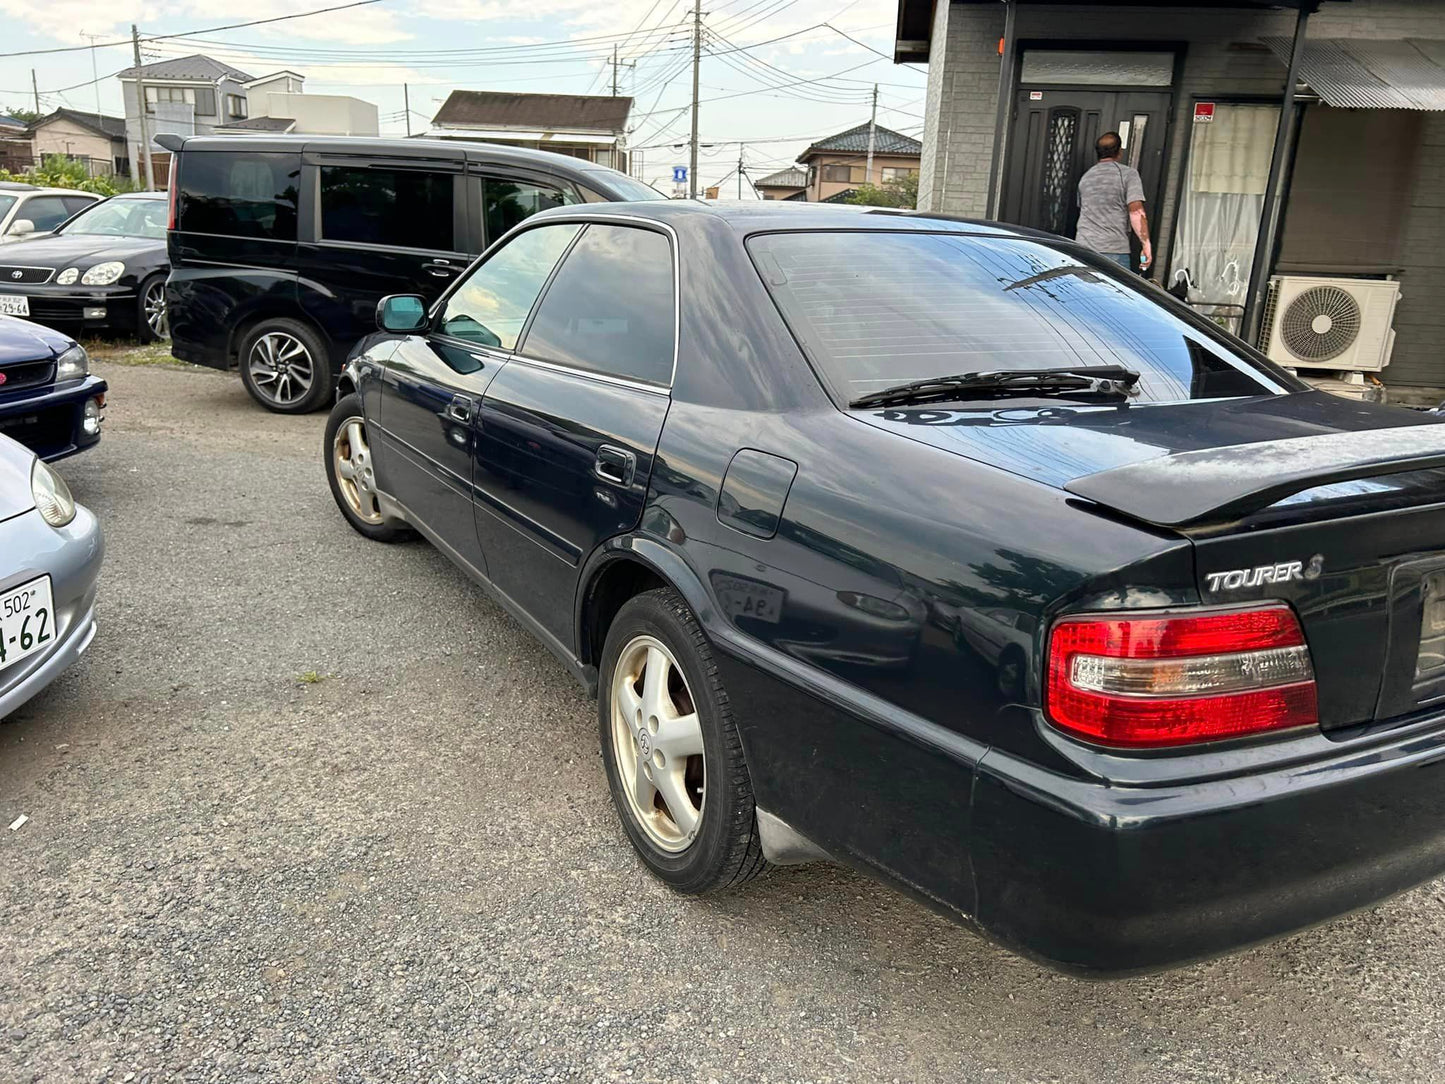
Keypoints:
pixel 875 309
pixel 121 217
pixel 629 189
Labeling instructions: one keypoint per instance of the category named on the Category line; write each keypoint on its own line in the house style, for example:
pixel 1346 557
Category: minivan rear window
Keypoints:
pixel 875 309
pixel 249 194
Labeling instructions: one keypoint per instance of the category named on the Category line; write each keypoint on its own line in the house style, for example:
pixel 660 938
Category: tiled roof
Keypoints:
pixel 195 66
pixel 490 109
pixel 844 196
pixel 886 141
pixel 784 178
pixel 96 122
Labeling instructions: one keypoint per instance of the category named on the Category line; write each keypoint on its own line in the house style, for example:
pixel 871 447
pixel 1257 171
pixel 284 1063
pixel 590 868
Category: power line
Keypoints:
pixel 190 33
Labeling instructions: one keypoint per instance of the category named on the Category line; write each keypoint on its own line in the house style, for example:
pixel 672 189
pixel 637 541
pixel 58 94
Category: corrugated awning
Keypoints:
pixel 1371 73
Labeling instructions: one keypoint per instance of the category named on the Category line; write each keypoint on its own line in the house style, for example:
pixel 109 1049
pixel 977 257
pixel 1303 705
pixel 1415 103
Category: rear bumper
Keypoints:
pixel 50 420
pixel 1111 879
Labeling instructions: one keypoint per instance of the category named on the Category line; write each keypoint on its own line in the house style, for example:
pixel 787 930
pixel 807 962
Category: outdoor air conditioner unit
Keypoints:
pixel 1330 323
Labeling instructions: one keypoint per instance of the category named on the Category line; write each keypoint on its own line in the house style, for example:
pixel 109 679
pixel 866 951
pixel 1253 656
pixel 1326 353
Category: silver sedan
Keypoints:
pixel 50 552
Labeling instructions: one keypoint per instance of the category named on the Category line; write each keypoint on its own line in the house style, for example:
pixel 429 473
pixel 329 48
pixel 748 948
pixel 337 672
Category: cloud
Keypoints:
pixel 63 20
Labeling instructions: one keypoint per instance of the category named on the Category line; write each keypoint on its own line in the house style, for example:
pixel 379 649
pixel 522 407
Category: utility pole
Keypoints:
pixel 696 68
pixel 614 69
pixel 872 136
pixel 140 101
pixel 35 87
pixel 740 173
pixel 406 105
pixel 94 71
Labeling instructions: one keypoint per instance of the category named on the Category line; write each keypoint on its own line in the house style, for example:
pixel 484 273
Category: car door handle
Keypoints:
pixel 615 465
pixel 440 269
pixel 460 409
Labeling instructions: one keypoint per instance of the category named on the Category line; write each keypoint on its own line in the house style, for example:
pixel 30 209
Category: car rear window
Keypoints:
pixel 250 194
pixel 877 309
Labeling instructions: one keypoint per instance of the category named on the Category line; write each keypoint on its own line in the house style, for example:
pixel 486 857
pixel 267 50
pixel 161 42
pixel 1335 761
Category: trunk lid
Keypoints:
pixel 1335 506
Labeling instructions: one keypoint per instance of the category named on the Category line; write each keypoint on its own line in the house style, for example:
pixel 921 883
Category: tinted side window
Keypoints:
pixel 491 304
pixel 76 203
pixel 510 202
pixel 610 308
pixel 239 195
pixel 46 212
pixel 404 208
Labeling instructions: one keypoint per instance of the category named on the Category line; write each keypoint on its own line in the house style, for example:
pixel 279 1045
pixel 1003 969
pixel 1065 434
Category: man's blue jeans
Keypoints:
pixel 1123 259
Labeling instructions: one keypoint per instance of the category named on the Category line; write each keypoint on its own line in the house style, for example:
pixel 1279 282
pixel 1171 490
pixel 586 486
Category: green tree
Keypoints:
pixel 58 171
pixel 899 192
pixel 28 116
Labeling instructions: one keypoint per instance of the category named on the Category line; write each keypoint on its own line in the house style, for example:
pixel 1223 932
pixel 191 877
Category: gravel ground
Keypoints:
pixel 313 809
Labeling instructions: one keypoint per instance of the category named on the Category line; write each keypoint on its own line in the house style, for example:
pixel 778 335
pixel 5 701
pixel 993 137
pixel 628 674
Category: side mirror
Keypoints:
pixel 401 312
pixel 21 226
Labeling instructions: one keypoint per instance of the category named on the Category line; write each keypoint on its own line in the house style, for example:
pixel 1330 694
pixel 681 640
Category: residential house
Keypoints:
pixel 1353 193
pixel 15 152
pixel 278 103
pixel 97 140
pixel 188 96
pixel 590 127
pixel 785 184
pixel 838 164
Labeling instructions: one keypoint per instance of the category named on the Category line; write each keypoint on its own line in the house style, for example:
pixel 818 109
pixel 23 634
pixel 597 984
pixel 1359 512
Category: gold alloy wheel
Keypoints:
pixel 351 457
pixel 657 743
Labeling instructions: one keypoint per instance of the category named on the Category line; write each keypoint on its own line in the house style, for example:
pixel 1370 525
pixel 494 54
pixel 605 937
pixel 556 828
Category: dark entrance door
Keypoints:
pixel 1052 144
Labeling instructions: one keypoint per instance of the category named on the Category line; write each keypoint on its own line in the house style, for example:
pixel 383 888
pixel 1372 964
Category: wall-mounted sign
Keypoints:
pixel 1203 112
pixel 1036 95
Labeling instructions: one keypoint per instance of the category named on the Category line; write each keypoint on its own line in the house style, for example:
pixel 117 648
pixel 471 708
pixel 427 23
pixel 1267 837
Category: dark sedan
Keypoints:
pixel 941 549
pixel 49 401
pixel 103 270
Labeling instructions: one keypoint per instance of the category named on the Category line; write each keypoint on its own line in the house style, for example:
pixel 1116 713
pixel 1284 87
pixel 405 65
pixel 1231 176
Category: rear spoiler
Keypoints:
pixel 1222 484
pixel 170 141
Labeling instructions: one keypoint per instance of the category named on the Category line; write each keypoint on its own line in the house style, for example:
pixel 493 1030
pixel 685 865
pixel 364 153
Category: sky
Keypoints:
pixel 763 100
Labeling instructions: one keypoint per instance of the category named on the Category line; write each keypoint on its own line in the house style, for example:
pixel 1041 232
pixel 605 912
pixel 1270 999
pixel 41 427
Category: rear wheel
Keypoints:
pixel 671 750
pixel 285 368
pixel 351 474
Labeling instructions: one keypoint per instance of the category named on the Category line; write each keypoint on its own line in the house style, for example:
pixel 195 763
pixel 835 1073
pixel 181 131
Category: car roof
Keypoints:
pixel 36 190
pixel 138 195
pixel 764 216
pixel 454 149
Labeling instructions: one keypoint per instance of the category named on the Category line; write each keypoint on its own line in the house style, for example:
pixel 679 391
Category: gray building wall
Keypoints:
pixel 963 71
pixel 170 117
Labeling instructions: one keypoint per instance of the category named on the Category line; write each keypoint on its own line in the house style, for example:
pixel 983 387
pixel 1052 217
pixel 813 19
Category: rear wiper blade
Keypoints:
pixel 1085 381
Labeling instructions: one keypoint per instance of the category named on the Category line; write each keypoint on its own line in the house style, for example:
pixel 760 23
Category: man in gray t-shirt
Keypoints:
pixel 1111 201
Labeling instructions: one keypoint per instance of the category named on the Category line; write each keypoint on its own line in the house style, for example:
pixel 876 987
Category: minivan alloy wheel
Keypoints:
pixel 657 743
pixel 351 456
pixel 154 308
pixel 281 367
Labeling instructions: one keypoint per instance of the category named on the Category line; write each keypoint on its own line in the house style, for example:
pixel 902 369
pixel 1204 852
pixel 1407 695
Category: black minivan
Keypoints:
pixel 281 246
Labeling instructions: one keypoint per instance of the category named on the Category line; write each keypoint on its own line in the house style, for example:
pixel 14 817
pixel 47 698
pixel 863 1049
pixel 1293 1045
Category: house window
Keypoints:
pixel 897 173
pixel 236 106
pixel 843 174
pixel 170 95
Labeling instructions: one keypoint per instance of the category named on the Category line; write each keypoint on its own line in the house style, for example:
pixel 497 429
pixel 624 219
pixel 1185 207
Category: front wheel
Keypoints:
pixel 285 368
pixel 152 322
pixel 672 754
pixel 351 474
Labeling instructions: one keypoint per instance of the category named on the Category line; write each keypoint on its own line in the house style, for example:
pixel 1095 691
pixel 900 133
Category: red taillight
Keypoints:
pixel 1171 679
pixel 171 198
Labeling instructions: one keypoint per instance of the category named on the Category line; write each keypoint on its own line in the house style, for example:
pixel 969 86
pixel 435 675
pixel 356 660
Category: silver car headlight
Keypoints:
pixel 103 274
pixel 73 364
pixel 52 496
pixel 67 277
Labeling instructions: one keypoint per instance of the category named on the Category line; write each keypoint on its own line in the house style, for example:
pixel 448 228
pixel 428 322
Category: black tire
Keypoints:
pixel 726 851
pixel 387 530
pixel 143 329
pixel 277 330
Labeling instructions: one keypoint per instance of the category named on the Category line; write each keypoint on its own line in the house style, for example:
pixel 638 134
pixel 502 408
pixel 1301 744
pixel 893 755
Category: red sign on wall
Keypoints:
pixel 1203 112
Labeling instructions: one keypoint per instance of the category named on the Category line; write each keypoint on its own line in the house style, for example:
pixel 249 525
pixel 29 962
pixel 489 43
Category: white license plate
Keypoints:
pixel 27 620
pixel 14 304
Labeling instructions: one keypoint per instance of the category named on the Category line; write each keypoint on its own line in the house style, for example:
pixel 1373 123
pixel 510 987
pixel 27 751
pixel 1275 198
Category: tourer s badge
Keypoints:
pixel 1283 572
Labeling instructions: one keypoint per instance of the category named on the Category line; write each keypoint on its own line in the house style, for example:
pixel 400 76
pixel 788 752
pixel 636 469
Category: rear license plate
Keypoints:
pixel 27 620
pixel 14 304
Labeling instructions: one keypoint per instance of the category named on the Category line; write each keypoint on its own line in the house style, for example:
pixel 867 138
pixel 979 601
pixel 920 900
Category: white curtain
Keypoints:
pixel 1219 216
